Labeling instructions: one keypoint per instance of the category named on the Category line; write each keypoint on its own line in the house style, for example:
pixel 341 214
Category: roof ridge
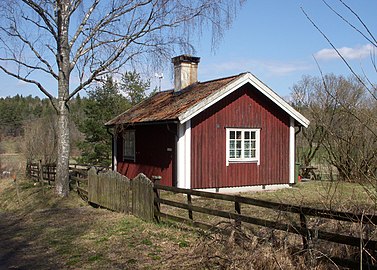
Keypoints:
pixel 224 78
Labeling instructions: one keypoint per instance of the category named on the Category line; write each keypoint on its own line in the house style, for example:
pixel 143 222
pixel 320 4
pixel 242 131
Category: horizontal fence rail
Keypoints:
pixel 141 197
pixel 330 214
pixel 301 228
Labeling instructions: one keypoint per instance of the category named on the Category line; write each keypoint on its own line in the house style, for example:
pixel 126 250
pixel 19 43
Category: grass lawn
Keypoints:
pixel 324 194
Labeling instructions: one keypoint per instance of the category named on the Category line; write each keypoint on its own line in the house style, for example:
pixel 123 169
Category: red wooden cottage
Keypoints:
pixel 225 133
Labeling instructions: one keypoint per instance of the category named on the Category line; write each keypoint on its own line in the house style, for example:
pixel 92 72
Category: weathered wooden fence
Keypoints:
pixel 39 171
pixel 110 190
pixel 116 192
pixel 32 170
pixel 104 188
pixel 142 197
pixel 363 242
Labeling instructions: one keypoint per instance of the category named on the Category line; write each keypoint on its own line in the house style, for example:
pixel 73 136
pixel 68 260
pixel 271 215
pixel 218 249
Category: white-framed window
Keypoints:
pixel 129 145
pixel 242 145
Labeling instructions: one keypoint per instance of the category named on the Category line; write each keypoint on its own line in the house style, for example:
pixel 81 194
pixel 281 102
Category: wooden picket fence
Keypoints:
pixel 142 197
pixel 109 189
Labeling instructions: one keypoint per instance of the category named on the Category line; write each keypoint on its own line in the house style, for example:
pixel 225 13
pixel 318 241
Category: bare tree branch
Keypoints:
pixel 361 21
pixel 350 24
pixel 339 54
pixel 38 84
pixel 45 16
pixel 84 21
pixel 32 48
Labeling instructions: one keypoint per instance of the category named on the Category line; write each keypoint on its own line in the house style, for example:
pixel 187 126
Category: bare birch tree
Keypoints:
pixel 76 42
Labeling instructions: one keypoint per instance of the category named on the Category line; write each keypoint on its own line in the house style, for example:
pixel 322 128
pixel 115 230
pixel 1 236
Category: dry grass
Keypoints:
pixel 40 231
pixel 280 250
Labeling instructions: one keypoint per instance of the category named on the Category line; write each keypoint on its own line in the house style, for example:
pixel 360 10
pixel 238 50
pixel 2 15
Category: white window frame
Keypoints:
pixel 132 134
pixel 242 159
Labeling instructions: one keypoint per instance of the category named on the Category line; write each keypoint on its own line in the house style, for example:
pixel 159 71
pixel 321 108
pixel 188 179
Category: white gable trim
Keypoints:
pixel 233 86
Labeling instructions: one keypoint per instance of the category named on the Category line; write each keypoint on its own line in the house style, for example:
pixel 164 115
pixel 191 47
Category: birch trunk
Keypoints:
pixel 64 65
pixel 62 166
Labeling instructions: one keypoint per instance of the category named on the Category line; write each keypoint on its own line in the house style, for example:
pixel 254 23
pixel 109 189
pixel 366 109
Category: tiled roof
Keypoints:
pixel 168 105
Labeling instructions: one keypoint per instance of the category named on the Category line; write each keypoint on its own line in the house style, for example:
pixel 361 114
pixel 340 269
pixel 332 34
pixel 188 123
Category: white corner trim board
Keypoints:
pixel 115 153
pixel 292 159
pixel 184 155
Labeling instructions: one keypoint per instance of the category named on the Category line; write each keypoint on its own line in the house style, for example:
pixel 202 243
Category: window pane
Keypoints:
pixel 232 134
pixel 247 135
pixel 129 144
pixel 238 144
pixel 253 144
pixel 232 154
pixel 247 154
pixel 238 135
pixel 232 145
pixel 252 154
pixel 247 145
pixel 238 154
pixel 253 135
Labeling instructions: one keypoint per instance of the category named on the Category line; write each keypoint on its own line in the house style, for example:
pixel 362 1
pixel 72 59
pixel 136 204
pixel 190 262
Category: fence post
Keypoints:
pixel 156 180
pixel 41 174
pixel 189 202
pixel 305 234
pixel 28 173
pixel 237 208
pixel 48 166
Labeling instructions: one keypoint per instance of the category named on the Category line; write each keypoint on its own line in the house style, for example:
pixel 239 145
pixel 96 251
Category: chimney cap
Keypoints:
pixel 185 58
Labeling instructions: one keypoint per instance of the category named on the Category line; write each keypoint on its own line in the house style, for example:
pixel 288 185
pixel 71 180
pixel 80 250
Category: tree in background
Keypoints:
pixel 103 103
pixel 76 42
pixel 359 122
pixel 134 87
pixel 39 141
pixel 342 128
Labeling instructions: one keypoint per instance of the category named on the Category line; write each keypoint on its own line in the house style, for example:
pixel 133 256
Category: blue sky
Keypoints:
pixel 276 42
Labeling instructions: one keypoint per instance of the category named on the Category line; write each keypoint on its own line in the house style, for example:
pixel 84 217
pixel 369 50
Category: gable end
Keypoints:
pixel 233 86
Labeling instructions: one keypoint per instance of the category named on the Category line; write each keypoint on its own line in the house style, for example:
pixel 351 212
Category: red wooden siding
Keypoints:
pixel 152 155
pixel 244 108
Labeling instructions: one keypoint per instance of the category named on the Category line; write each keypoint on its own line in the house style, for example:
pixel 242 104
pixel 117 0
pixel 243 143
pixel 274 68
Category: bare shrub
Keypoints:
pixel 40 141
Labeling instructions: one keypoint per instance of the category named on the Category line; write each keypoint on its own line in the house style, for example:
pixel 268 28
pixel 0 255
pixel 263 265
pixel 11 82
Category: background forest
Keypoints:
pixel 28 123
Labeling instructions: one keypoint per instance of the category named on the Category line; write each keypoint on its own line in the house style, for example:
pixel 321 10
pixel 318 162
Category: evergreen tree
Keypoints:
pixel 103 103
pixel 134 87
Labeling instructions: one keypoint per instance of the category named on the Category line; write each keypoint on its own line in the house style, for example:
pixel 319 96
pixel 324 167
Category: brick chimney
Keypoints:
pixel 185 71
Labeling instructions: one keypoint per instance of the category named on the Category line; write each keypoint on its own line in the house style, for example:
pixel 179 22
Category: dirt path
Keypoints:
pixel 37 240
pixel 43 232
pixel 18 249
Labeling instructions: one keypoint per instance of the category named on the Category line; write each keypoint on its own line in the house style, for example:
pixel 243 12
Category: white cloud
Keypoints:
pixel 272 68
pixel 283 69
pixel 348 53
